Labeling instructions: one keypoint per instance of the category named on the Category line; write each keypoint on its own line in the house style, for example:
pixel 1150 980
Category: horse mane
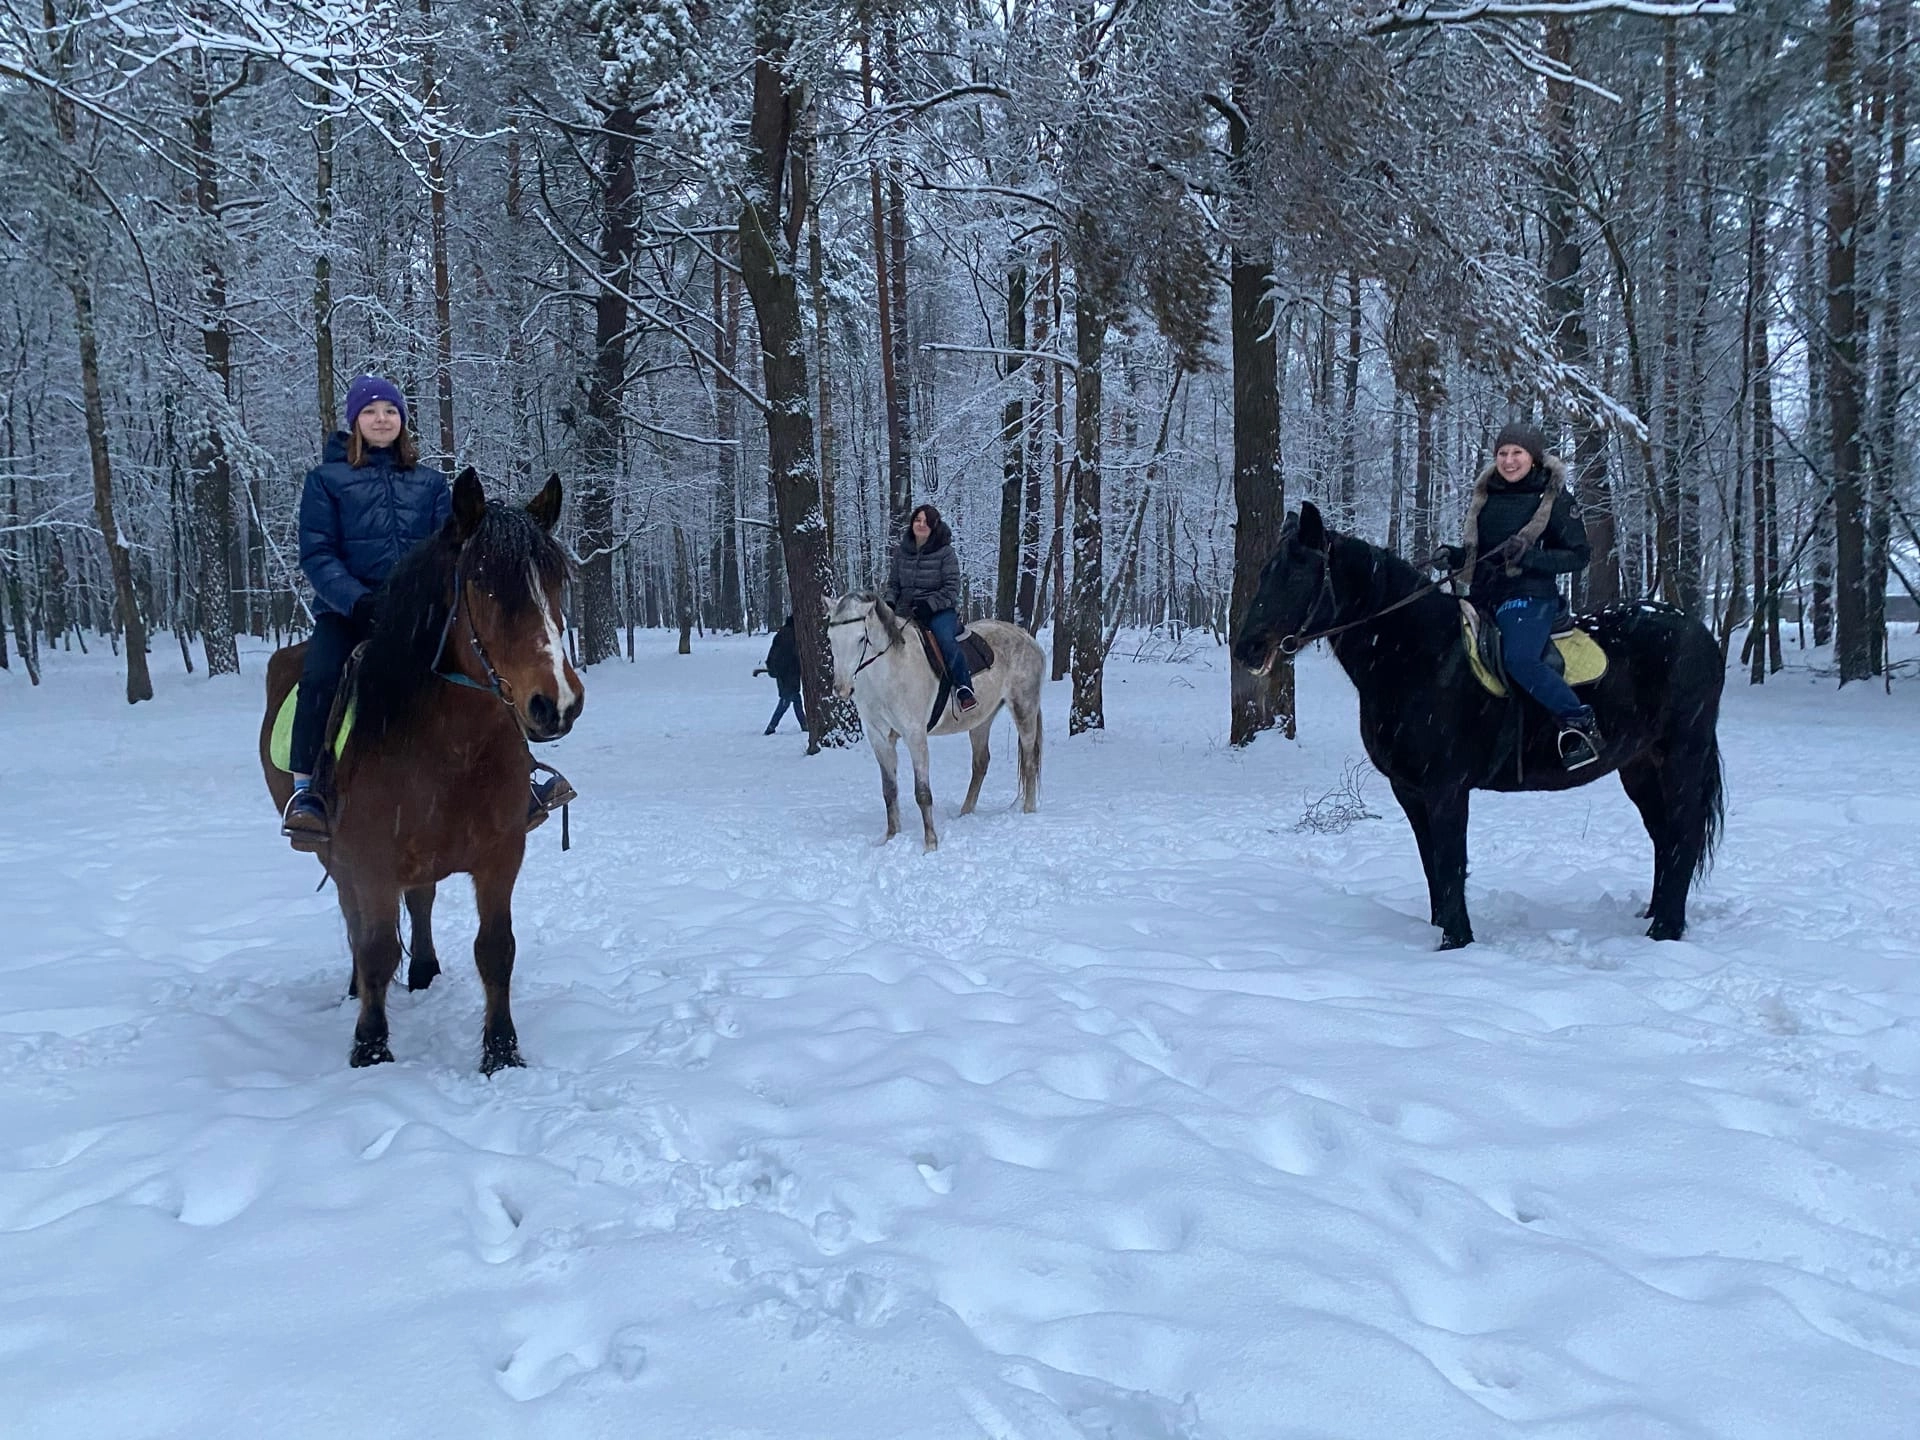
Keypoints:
pixel 889 621
pixel 508 557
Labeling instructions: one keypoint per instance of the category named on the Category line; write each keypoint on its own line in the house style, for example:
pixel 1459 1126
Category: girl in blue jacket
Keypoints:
pixel 367 503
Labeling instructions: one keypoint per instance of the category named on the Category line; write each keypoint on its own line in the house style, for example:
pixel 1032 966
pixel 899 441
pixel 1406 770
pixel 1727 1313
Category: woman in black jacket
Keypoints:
pixel 1523 533
pixel 924 580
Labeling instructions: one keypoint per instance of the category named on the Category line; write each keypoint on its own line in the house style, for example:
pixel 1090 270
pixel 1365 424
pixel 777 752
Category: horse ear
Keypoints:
pixel 1313 530
pixel 469 503
pixel 545 507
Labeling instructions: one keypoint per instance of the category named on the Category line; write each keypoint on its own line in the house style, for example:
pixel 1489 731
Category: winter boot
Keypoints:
pixel 304 822
pixel 1580 741
pixel 547 796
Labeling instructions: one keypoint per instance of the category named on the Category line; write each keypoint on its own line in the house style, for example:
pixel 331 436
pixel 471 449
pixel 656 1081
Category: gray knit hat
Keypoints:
pixel 1527 437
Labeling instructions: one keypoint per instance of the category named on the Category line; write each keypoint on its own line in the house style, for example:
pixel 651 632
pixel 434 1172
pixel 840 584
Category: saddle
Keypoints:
pixel 979 654
pixel 979 657
pixel 339 719
pixel 1574 654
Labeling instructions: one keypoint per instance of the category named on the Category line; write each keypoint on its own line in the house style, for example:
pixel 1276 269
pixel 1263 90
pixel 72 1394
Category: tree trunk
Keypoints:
pixel 1566 302
pixel 213 532
pixel 1892 106
pixel 442 278
pixel 1349 405
pixel 1013 446
pixel 1062 631
pixel 139 682
pixel 1027 602
pixel 822 357
pixel 600 441
pixel 892 382
pixel 1679 585
pixel 1852 649
pixel 730 587
pixel 766 262
pixel 1087 710
pixel 1255 703
pixel 323 269
pixel 682 589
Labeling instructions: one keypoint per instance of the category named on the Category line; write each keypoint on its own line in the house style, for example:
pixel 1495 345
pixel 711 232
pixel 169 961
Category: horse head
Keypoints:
pixel 505 632
pixel 849 637
pixel 1292 589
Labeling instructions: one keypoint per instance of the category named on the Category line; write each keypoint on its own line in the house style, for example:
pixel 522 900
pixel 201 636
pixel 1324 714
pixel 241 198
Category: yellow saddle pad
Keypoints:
pixel 280 747
pixel 1584 660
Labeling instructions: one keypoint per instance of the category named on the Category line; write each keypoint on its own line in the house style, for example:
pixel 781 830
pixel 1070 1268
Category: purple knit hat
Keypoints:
pixel 366 389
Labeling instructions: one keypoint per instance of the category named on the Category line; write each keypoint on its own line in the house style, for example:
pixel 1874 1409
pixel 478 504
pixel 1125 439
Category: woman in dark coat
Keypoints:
pixel 1523 533
pixel 924 580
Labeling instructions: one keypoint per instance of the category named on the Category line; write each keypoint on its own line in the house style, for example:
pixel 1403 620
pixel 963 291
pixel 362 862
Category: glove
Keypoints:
pixel 1508 552
pixel 1448 558
pixel 362 612
pixel 922 612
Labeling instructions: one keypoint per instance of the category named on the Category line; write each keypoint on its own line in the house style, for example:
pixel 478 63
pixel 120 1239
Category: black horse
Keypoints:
pixel 1436 733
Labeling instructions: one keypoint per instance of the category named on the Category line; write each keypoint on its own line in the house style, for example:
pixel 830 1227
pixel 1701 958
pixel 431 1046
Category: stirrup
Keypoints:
pixel 310 837
pixel 1584 749
pixel 546 796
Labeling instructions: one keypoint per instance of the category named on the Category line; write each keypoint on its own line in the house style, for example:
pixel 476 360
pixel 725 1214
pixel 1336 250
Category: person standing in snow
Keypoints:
pixel 1524 532
pixel 362 508
pixel 923 578
pixel 783 664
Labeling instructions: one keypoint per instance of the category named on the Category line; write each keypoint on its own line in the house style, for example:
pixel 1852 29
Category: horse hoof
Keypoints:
pixel 501 1057
pixel 419 977
pixel 1456 942
pixel 370 1052
pixel 1661 930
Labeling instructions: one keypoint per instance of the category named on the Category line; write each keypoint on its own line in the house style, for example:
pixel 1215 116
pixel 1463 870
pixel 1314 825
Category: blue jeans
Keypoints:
pixel 945 626
pixel 1526 629
pixel 787 697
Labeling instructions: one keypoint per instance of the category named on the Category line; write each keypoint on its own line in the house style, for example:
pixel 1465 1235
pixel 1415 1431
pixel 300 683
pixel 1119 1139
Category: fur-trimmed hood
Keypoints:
pixel 1548 481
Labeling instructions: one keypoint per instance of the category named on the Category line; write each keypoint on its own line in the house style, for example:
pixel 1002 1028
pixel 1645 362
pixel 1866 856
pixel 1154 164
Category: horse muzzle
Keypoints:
pixel 546 721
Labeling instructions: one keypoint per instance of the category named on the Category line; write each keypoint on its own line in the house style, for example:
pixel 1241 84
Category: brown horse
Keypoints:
pixel 464 666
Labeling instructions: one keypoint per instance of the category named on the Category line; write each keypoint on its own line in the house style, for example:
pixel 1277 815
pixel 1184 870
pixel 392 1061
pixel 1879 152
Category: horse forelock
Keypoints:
pixel 508 557
pixel 511 559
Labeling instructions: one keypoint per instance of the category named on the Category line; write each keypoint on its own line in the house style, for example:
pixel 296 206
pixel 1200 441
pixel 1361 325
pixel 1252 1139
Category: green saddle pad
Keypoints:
pixel 280 747
pixel 1582 658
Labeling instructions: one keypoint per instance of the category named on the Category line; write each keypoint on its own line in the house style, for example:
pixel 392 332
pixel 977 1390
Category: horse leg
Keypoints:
pixel 493 951
pixel 923 785
pixel 1641 781
pixel 1678 849
pixel 1447 838
pixel 425 963
pixel 374 926
pixel 1027 724
pixel 887 754
pixel 1415 806
pixel 979 736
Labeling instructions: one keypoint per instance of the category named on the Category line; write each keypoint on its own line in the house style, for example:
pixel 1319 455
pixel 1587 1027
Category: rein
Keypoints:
pixel 1293 644
pixel 866 640
pixel 495 686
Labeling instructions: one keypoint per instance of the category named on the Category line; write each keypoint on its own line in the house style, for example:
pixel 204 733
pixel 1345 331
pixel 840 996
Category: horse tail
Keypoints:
pixel 1713 807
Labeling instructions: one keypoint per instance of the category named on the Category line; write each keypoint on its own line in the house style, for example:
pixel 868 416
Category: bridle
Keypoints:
pixel 866 638
pixel 1296 642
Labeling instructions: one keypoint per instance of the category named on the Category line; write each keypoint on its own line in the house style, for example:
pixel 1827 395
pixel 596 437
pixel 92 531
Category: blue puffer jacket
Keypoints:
pixel 356 522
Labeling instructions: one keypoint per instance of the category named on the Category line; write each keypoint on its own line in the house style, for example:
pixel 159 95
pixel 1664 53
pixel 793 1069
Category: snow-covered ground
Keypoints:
pixel 1143 1117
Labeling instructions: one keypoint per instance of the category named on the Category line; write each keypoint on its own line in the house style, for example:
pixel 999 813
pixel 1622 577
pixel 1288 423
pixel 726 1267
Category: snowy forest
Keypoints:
pixel 1112 284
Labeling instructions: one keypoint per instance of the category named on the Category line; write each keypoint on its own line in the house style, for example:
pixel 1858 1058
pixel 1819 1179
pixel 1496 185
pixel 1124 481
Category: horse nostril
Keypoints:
pixel 573 711
pixel 544 713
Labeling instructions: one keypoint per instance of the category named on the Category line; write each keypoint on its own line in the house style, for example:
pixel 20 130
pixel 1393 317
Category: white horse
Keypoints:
pixel 879 660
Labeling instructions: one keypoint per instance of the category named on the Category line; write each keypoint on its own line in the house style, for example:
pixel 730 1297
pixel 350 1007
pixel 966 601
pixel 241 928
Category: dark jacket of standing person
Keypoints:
pixel 783 659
